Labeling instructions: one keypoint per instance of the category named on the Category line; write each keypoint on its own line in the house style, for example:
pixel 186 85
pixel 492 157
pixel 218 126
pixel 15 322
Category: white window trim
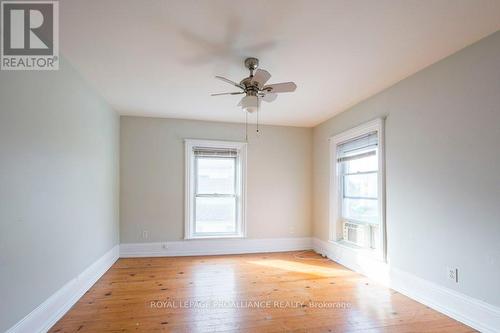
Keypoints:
pixel 189 144
pixel 335 228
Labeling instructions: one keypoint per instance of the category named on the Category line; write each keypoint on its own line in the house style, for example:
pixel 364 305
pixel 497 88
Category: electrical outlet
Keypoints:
pixel 145 234
pixel 453 274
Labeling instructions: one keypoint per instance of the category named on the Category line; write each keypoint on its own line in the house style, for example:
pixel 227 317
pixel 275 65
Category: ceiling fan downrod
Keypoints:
pixel 252 64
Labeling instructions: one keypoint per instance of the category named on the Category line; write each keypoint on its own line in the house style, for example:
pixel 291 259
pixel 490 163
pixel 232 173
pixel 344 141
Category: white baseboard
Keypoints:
pixel 49 312
pixel 214 247
pixel 475 313
pixel 470 311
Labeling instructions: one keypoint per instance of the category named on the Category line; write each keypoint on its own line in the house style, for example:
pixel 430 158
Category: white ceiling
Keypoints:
pixel 158 58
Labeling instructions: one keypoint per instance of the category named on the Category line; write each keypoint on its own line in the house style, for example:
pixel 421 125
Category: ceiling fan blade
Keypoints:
pixel 280 87
pixel 229 81
pixel 261 76
pixel 228 93
pixel 269 97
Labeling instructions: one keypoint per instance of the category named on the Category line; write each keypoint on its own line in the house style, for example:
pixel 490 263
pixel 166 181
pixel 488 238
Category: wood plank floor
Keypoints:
pixel 272 292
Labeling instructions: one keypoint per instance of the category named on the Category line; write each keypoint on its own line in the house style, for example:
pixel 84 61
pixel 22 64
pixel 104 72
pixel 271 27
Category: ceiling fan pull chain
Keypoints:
pixel 246 126
pixel 258 110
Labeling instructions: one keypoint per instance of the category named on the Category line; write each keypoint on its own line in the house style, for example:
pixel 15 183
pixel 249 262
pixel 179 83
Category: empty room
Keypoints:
pixel 250 166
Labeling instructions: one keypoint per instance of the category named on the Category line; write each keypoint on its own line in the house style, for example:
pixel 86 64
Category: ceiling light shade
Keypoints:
pixel 250 103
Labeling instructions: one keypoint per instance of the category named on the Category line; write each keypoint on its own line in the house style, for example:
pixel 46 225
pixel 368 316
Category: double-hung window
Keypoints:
pixel 358 187
pixel 215 189
pixel 358 170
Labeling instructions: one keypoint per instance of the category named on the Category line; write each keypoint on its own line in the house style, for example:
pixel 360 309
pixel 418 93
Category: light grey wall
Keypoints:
pixel 279 179
pixel 443 169
pixel 58 185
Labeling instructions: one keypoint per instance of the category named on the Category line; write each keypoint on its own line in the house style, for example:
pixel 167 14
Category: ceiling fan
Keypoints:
pixel 254 87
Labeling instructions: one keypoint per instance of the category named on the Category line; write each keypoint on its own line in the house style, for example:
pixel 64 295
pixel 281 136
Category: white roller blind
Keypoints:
pixel 214 152
pixel 358 147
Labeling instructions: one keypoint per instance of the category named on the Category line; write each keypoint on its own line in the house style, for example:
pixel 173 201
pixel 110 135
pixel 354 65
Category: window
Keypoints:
pixel 215 189
pixel 357 179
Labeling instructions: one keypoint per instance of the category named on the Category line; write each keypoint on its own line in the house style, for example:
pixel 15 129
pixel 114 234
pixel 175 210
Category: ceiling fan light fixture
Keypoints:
pixel 250 103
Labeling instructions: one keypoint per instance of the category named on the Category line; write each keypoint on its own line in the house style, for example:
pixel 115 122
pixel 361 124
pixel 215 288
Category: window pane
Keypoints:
pixel 215 215
pixel 360 210
pixel 363 185
pixel 369 163
pixel 216 175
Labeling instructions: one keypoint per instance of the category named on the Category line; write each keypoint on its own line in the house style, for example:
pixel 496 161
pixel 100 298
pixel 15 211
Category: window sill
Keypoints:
pixel 368 253
pixel 215 237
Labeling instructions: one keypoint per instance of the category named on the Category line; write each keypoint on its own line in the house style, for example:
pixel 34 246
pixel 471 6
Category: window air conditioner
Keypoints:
pixel 357 234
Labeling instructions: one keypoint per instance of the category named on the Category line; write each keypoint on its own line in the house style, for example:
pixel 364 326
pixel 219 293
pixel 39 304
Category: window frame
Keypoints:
pixel 191 190
pixel 336 192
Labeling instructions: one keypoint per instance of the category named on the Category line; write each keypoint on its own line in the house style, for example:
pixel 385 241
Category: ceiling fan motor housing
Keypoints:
pixel 251 87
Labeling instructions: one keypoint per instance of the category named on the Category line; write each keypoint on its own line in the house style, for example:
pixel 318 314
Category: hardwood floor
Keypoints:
pixel 272 292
